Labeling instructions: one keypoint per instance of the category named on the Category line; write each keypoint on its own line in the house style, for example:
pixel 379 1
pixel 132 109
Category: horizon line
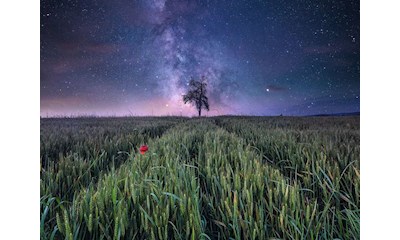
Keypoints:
pixel 195 116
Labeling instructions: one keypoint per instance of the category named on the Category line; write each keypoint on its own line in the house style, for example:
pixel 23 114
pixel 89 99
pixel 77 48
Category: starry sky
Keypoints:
pixel 118 58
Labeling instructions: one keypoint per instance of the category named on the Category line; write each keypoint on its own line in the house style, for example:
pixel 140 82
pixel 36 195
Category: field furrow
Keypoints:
pixel 76 152
pixel 321 155
pixel 218 178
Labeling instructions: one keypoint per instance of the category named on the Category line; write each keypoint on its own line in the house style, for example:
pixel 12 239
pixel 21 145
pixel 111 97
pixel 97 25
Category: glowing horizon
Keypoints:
pixel 259 58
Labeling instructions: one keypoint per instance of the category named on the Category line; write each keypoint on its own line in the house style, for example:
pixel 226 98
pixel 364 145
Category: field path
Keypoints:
pixel 207 178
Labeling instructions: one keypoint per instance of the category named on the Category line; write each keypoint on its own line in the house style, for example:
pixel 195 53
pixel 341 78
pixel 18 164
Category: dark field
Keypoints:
pixel 202 178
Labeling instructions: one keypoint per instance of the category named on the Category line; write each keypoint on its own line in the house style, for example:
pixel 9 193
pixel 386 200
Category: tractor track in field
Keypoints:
pixel 214 155
pixel 265 159
pixel 68 157
pixel 294 175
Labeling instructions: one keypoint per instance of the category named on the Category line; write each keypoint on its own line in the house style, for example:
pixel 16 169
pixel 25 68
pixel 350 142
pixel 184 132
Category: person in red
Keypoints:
pixel 143 149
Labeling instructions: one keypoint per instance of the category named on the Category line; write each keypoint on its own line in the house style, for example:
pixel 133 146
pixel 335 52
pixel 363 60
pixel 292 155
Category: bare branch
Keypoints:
pixel 196 94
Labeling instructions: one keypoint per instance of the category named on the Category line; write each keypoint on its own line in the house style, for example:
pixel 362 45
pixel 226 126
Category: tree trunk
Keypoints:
pixel 201 97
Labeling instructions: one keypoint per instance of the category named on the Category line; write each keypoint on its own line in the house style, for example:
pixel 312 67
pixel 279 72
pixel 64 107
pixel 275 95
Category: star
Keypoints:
pixel 124 55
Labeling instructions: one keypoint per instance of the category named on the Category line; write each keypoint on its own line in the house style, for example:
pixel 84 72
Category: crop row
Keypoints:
pixel 249 180
pixel 76 152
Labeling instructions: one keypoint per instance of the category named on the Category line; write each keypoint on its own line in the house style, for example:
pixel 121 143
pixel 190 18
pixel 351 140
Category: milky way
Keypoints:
pixel 259 57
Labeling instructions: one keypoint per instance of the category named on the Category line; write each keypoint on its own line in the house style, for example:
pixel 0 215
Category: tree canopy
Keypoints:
pixel 197 94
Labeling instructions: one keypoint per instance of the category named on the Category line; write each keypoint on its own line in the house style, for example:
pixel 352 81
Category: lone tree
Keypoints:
pixel 197 95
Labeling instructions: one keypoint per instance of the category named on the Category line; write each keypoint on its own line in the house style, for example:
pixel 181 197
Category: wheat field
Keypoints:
pixel 201 178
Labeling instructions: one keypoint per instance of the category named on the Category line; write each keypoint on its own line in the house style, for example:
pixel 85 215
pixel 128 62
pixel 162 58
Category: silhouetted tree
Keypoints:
pixel 197 95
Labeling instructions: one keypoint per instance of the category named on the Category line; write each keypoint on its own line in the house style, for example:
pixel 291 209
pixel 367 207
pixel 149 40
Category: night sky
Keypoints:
pixel 259 57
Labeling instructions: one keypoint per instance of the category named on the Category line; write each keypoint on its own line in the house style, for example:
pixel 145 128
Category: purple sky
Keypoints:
pixel 259 58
